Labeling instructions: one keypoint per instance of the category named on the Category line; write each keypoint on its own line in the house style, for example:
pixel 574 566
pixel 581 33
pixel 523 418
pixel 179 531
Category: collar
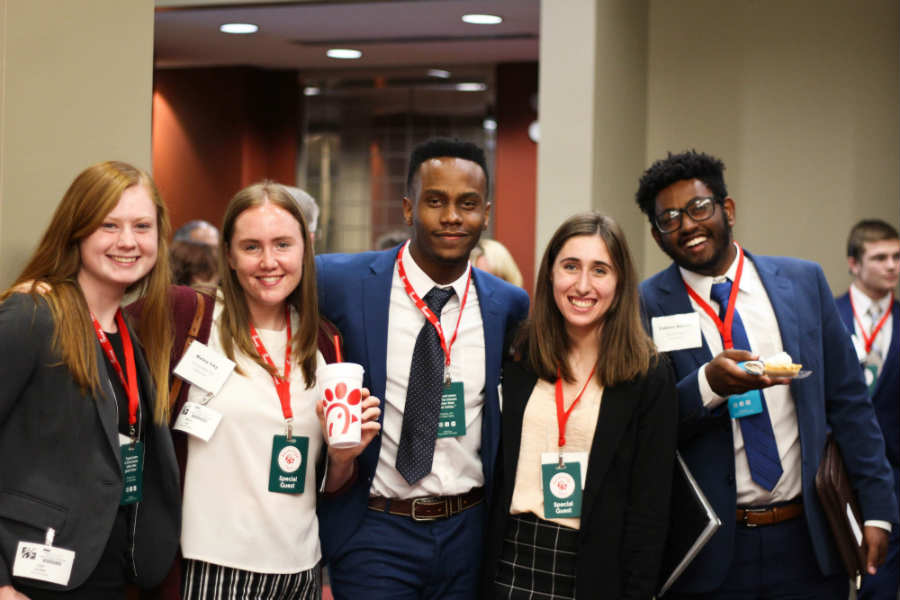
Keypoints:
pixel 702 284
pixel 861 301
pixel 422 283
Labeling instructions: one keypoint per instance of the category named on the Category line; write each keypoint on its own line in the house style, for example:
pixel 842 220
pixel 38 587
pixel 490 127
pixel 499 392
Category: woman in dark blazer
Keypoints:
pixel 68 420
pixel 581 497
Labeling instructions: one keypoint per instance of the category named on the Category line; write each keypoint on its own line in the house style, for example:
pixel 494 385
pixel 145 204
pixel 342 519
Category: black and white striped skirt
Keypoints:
pixel 537 561
pixel 205 581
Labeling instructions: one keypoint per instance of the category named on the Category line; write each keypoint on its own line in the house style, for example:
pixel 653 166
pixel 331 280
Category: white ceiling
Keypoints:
pixel 426 33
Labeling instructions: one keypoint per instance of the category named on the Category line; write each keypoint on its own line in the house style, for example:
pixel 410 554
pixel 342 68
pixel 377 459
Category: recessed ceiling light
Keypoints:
pixel 470 86
pixel 243 28
pixel 482 19
pixel 490 124
pixel 439 73
pixel 311 90
pixel 343 53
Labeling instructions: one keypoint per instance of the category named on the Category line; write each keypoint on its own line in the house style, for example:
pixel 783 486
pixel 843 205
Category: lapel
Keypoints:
pixel 846 312
pixel 105 403
pixel 616 410
pixel 375 299
pixel 782 296
pixel 673 299
pixel 493 328
pixel 518 383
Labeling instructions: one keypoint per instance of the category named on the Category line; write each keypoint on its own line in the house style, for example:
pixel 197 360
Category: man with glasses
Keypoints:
pixel 754 441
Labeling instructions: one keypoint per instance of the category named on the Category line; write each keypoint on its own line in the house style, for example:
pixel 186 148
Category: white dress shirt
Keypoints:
pixel 764 335
pixel 457 462
pixel 861 304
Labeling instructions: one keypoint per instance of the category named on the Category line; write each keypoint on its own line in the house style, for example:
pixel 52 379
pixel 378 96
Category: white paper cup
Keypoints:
pixel 339 386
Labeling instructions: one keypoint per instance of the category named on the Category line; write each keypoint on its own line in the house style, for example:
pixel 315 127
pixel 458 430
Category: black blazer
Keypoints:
pixel 625 506
pixel 60 461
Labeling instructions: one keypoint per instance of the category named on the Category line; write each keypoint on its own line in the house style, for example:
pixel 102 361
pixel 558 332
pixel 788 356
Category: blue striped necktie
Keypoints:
pixel 759 438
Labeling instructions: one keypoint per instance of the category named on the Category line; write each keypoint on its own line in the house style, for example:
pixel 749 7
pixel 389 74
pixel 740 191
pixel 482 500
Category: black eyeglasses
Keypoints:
pixel 698 209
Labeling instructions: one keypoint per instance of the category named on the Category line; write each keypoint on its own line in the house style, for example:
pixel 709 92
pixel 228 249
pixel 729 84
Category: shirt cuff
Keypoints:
pixel 880 524
pixel 709 398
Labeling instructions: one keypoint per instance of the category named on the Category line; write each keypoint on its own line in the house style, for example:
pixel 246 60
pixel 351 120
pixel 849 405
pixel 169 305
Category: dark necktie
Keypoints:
pixel 415 452
pixel 759 438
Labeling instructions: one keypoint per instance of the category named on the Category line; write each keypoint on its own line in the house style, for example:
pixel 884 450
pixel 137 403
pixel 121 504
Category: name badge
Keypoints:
pixel 452 417
pixel 132 470
pixel 744 405
pixel 676 332
pixel 43 562
pixel 287 472
pixel 205 368
pixel 562 484
pixel 198 420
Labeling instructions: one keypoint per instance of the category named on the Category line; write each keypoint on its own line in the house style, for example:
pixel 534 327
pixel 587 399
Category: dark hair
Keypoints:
pixel 625 349
pixel 438 147
pixel 677 167
pixel 190 260
pixel 868 230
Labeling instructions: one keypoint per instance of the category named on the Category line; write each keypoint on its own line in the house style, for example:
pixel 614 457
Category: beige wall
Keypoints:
pixel 75 89
pixel 801 100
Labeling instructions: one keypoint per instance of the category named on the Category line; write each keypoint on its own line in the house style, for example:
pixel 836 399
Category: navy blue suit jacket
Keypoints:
pixel 832 398
pixel 354 293
pixel 886 395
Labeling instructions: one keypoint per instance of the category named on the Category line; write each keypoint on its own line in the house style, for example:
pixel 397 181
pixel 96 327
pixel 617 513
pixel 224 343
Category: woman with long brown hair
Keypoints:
pixel 88 480
pixel 581 498
pixel 244 536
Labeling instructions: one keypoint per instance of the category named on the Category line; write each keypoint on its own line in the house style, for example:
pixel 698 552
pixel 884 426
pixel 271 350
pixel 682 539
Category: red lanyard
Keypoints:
pixel 724 328
pixel 130 384
pixel 562 415
pixel 868 340
pixel 283 382
pixel 423 308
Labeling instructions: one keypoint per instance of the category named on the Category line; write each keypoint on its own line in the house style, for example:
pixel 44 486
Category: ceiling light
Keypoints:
pixel 439 73
pixel 343 53
pixel 311 90
pixel 490 124
pixel 470 86
pixel 243 28
pixel 482 19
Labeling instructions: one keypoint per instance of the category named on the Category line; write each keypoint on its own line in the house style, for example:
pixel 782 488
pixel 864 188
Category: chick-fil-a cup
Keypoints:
pixel 339 387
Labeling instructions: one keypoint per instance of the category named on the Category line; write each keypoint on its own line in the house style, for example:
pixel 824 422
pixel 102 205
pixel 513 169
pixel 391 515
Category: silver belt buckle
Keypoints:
pixel 427 500
pixel 747 512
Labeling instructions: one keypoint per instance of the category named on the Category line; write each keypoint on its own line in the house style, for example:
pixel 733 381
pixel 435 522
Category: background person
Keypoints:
pixel 492 256
pixel 194 264
pixel 78 395
pixel 870 311
pixel 372 535
pixel 760 464
pixel 309 208
pixel 199 232
pixel 583 352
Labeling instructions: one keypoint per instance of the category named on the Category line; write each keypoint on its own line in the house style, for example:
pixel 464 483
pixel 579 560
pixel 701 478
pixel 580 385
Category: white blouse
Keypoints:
pixel 230 517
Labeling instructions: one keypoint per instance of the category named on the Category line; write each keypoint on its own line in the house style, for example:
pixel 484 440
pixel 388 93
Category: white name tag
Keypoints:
pixel 43 562
pixel 198 420
pixel 205 368
pixel 676 332
pixel 550 458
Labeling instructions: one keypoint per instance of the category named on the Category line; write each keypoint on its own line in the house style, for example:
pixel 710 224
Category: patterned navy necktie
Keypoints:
pixel 759 437
pixel 415 452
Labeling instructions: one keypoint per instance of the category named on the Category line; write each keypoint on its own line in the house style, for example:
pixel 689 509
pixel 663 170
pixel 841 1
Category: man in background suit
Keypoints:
pixel 411 523
pixel 755 454
pixel 872 315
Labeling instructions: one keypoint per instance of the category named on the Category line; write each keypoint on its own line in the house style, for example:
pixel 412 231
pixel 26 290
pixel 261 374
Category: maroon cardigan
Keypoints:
pixel 184 301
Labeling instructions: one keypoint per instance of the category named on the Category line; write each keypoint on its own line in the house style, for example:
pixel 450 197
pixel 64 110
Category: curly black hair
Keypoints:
pixel 677 167
pixel 437 147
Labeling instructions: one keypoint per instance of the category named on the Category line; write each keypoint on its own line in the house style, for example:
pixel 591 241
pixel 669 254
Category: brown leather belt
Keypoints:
pixel 753 517
pixel 428 508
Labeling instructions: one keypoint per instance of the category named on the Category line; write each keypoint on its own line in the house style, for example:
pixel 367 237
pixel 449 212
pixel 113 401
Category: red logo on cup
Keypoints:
pixel 338 402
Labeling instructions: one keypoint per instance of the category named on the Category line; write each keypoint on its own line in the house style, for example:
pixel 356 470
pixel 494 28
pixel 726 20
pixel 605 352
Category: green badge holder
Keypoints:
pixel 287 472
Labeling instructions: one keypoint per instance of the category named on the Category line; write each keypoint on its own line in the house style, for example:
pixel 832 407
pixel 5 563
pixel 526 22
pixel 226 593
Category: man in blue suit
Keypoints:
pixel 872 316
pixel 430 332
pixel 753 442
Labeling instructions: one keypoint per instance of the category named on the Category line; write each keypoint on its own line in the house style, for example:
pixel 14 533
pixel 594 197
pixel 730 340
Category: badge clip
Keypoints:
pixel 49 536
pixel 290 428
pixel 561 464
